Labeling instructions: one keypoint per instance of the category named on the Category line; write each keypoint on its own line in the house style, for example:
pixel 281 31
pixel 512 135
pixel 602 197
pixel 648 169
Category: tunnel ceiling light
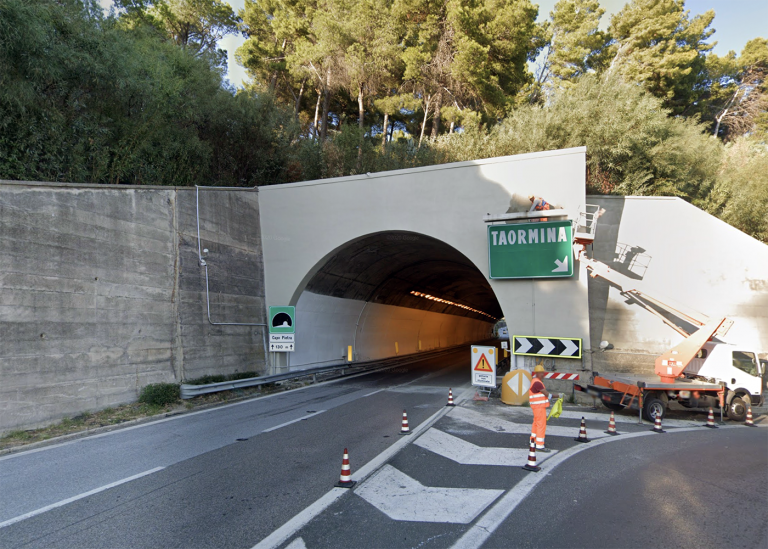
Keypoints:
pixel 440 300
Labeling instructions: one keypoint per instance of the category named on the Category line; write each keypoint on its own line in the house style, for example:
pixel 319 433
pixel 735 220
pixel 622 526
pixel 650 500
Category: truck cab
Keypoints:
pixel 737 367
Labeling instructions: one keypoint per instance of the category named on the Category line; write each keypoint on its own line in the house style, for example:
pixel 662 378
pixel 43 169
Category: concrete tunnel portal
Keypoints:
pixel 390 293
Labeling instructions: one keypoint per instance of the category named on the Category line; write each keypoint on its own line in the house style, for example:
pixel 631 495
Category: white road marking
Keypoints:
pixel 298 543
pixel 369 394
pixel 77 497
pixel 402 498
pixel 288 529
pixel 276 427
pixel 496 515
pixel 466 453
pixel 493 423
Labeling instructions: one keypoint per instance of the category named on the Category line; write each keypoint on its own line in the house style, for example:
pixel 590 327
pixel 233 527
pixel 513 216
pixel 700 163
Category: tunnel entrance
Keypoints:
pixel 391 293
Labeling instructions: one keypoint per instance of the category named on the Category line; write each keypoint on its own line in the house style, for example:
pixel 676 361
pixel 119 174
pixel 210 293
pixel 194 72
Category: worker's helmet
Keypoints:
pixel 531 197
pixel 539 368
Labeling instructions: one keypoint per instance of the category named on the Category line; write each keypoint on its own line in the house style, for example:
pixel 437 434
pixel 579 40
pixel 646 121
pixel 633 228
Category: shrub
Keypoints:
pixel 160 394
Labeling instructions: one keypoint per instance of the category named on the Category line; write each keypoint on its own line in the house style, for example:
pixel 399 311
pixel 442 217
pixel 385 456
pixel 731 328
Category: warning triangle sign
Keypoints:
pixel 482 365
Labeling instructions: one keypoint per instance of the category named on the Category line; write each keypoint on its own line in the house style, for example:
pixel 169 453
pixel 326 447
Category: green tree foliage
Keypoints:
pixel 657 44
pixel 738 91
pixel 576 45
pixel 740 196
pixel 633 147
pixel 82 99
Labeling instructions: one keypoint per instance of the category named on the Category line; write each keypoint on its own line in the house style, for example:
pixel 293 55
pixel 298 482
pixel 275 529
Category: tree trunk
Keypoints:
pixel 298 100
pixel 384 132
pixel 360 108
pixel 453 124
pixel 326 105
pixel 317 112
pixel 424 122
pixel 436 116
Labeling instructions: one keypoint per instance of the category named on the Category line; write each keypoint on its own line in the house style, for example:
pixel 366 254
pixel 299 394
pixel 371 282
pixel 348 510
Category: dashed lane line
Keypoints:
pixel 276 427
pixel 77 497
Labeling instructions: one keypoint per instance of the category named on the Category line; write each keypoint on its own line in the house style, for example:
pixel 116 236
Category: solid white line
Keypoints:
pixel 373 393
pixel 77 497
pixel 496 515
pixel 299 521
pixel 276 427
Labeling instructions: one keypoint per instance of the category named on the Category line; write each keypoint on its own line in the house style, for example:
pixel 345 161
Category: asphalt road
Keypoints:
pixel 262 472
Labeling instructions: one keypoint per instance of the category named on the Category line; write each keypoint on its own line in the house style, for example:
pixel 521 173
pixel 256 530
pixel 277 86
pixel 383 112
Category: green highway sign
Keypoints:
pixel 530 250
pixel 282 320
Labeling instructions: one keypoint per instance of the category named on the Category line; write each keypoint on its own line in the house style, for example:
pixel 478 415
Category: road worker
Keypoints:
pixel 538 204
pixel 539 399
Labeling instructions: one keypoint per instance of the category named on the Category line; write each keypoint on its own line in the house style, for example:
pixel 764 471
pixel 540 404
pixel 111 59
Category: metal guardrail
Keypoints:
pixel 191 391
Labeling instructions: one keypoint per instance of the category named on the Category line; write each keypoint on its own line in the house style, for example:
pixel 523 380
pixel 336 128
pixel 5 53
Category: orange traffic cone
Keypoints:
pixel 531 465
pixel 582 432
pixel 450 398
pixel 404 430
pixel 611 426
pixel 657 425
pixel 345 481
pixel 749 422
pixel 711 420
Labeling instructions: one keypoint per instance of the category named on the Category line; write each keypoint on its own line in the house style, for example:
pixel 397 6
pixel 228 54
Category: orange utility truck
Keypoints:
pixel 699 372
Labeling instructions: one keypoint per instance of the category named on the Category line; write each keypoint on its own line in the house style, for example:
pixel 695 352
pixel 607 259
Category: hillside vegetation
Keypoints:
pixel 340 87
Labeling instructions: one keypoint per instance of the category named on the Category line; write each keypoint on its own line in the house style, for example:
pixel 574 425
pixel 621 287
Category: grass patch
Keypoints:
pixel 205 380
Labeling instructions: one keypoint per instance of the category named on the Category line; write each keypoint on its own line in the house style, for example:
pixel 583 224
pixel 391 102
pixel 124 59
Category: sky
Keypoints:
pixel 736 22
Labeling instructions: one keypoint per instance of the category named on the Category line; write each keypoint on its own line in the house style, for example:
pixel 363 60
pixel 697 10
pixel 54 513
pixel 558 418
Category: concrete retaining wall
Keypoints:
pixel 102 294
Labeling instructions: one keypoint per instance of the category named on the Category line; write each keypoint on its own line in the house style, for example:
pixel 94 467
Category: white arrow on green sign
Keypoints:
pixel 530 250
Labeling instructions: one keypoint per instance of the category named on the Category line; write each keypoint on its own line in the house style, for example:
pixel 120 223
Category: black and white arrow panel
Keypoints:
pixel 566 347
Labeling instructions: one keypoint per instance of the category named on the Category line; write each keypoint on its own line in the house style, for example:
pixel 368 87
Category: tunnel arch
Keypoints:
pixel 387 293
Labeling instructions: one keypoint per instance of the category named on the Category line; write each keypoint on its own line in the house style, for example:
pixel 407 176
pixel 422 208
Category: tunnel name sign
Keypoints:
pixel 530 250
pixel 282 329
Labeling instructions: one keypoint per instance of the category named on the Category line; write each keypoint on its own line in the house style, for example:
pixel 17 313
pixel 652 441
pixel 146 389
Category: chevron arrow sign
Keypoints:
pixel 565 347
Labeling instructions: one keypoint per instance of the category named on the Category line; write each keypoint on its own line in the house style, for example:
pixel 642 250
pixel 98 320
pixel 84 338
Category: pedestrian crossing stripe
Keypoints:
pixel 482 365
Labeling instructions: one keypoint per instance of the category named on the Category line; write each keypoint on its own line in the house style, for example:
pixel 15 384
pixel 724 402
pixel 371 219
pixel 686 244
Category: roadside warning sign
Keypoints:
pixel 483 364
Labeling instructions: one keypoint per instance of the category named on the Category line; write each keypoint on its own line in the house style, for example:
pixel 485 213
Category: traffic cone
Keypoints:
pixel 749 422
pixel 450 398
pixel 404 430
pixel 345 481
pixel 582 432
pixel 611 426
pixel 711 420
pixel 657 426
pixel 531 465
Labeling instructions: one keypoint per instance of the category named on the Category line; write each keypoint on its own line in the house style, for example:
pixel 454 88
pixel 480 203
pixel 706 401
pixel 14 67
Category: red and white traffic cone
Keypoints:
pixel 404 430
pixel 450 398
pixel 345 481
pixel 531 465
pixel 657 425
pixel 611 426
pixel 749 422
pixel 582 432
pixel 711 420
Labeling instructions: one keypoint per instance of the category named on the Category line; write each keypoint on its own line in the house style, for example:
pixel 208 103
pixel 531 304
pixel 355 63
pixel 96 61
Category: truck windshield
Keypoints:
pixel 745 362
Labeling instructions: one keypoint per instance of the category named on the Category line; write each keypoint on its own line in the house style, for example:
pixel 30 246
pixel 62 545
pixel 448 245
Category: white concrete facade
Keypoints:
pixel 304 224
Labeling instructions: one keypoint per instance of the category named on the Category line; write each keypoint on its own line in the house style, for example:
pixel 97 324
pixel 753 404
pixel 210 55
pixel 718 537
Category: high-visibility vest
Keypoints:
pixel 542 205
pixel 538 399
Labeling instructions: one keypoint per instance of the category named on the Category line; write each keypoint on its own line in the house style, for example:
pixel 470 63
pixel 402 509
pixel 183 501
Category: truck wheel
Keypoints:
pixel 737 409
pixel 653 407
